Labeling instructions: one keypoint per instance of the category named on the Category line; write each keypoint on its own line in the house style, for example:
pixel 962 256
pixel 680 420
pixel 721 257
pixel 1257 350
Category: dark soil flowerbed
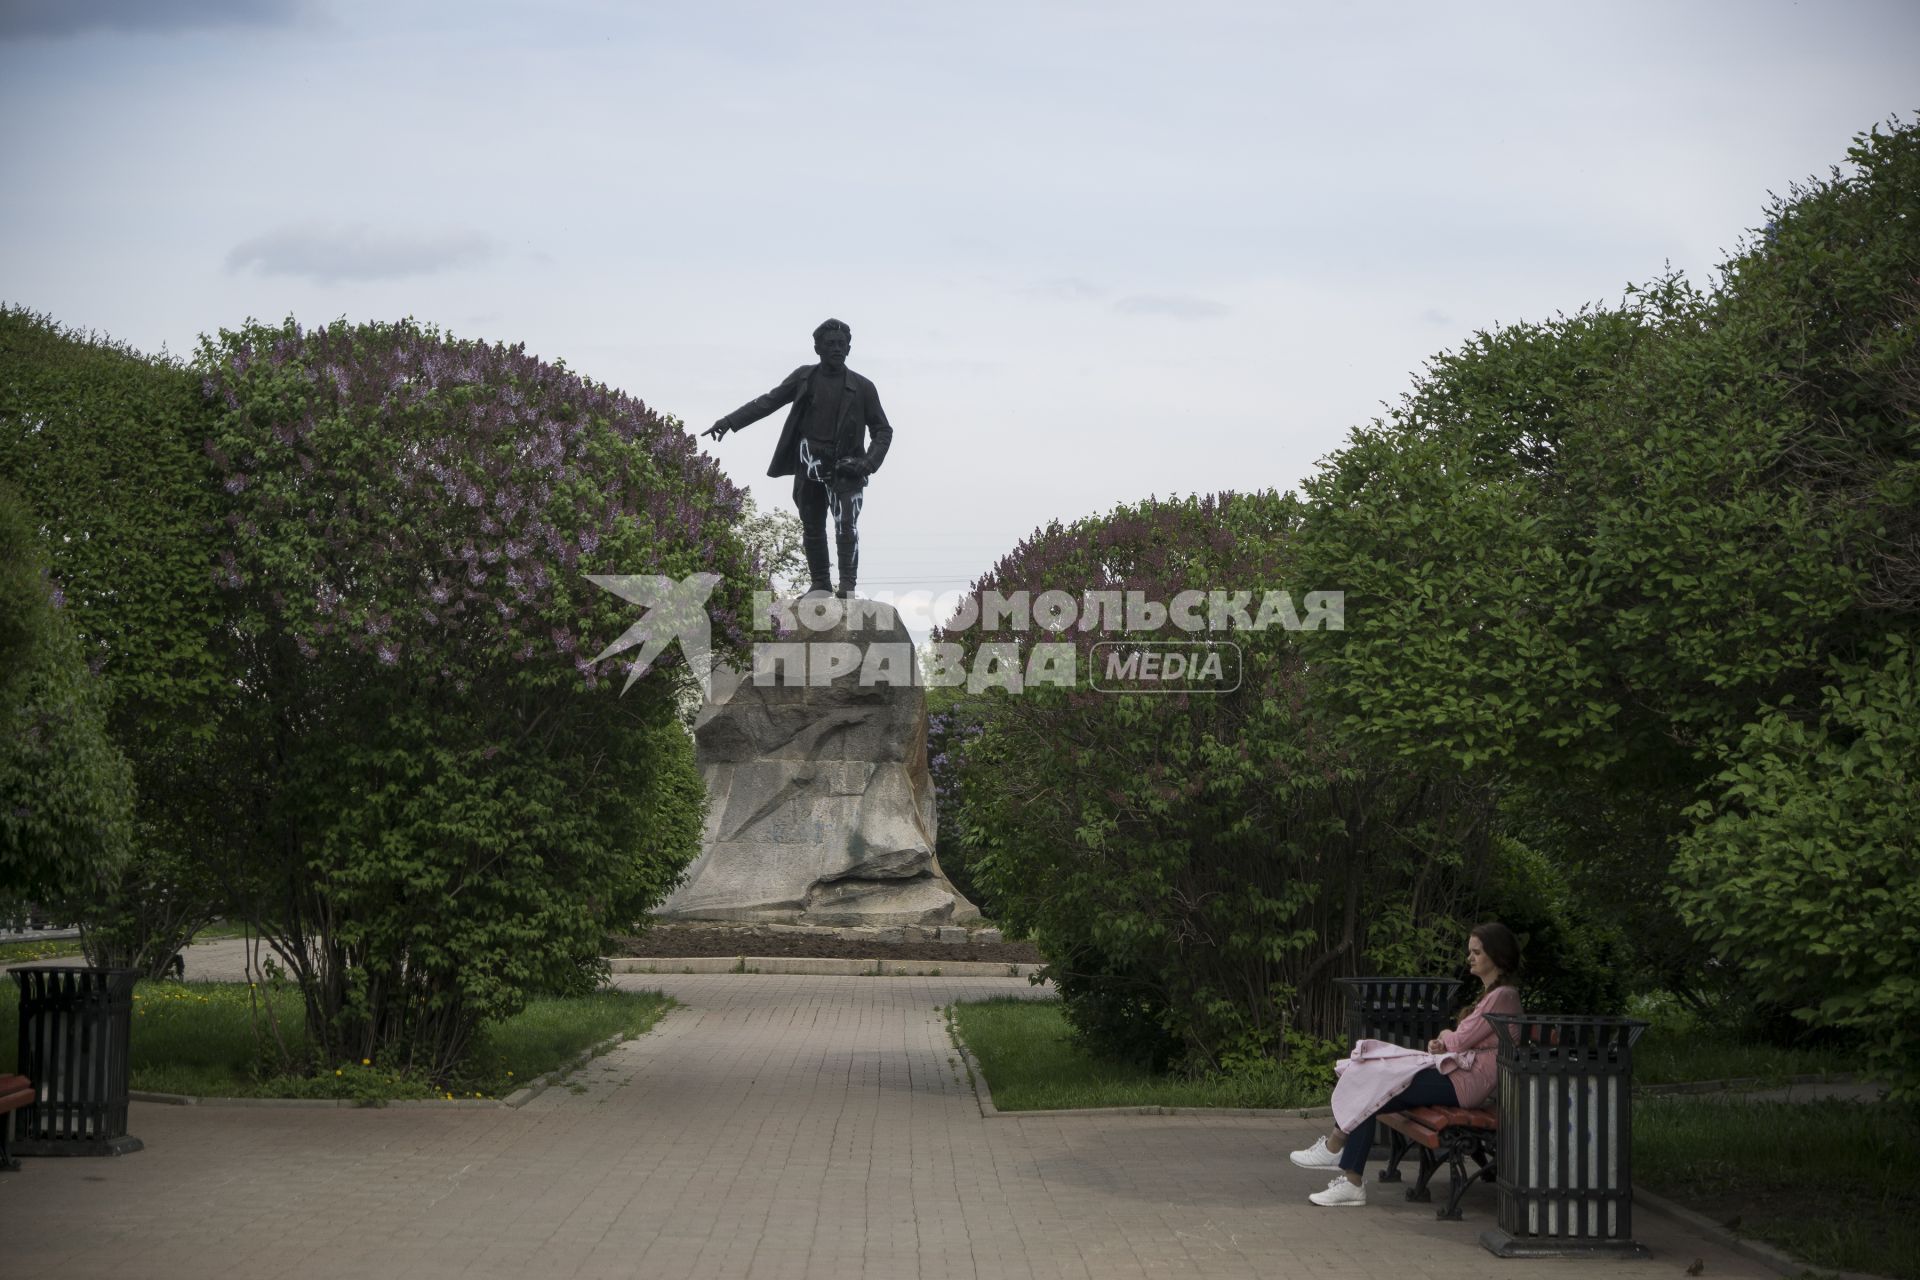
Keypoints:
pixel 679 940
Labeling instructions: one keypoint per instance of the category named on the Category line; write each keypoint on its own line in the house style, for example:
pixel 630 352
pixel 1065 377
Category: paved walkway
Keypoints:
pixel 776 1126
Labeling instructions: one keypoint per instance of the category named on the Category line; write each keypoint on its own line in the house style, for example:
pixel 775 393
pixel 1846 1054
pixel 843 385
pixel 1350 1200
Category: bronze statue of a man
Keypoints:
pixel 824 448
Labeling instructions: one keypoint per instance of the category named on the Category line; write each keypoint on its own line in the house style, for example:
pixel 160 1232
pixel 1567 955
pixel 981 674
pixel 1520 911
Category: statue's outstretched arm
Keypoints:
pixel 760 406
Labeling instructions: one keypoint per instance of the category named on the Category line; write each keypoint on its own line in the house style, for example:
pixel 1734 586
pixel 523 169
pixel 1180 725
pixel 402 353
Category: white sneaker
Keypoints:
pixel 1317 1156
pixel 1341 1192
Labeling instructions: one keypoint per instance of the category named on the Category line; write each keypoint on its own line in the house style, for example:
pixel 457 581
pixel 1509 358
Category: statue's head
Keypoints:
pixel 831 342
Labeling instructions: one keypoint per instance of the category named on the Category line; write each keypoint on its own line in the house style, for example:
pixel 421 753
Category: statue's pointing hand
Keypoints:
pixel 715 431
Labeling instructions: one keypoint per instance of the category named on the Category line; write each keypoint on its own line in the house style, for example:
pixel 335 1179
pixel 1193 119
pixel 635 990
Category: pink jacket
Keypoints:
pixel 1473 1041
pixel 1375 1071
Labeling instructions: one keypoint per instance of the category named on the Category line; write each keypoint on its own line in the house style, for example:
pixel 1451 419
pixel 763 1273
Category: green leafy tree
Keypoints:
pixel 1477 642
pixel 1582 555
pixel 448 802
pixel 1804 870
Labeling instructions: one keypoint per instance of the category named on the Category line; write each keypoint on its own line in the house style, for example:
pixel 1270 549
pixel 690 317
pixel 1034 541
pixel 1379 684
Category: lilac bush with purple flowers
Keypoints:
pixel 397 490
pixel 451 802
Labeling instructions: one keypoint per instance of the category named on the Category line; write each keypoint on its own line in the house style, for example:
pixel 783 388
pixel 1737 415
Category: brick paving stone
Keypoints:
pixel 775 1127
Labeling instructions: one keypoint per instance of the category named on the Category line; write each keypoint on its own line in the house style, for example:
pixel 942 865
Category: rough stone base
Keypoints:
pixel 823 808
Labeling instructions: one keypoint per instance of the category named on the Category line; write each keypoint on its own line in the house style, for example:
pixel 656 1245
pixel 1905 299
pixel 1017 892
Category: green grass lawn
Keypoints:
pixel 21 952
pixel 1825 1181
pixel 1679 1048
pixel 1025 1047
pixel 1671 1057
pixel 1026 1050
pixel 197 1038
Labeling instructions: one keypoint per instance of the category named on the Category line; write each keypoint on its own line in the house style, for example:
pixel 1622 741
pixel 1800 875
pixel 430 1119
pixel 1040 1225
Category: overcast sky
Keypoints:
pixel 1089 252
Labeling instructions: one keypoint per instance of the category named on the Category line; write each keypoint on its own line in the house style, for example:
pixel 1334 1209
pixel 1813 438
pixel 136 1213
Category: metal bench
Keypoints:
pixel 1450 1135
pixel 15 1093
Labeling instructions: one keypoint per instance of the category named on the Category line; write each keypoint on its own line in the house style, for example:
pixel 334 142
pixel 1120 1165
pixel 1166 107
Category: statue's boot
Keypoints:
pixel 849 548
pixel 818 571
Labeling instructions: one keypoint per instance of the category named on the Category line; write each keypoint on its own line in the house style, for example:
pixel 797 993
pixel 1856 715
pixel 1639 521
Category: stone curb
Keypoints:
pixel 822 965
pixel 1244 1113
pixel 518 1098
pixel 1757 1250
pixel 194 1100
pixel 978 1078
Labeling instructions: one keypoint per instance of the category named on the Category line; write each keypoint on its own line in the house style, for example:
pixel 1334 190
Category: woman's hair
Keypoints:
pixel 1502 948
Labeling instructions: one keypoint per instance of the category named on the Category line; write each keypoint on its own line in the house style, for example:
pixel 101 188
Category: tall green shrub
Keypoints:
pixel 951 724
pixel 104 446
pixel 66 793
pixel 24 593
pixel 1197 869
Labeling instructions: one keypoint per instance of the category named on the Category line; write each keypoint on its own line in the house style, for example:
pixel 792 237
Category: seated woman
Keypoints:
pixel 1462 1073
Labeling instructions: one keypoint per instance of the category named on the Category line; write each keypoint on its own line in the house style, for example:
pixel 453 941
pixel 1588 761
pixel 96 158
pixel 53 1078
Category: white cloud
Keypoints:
pixel 357 253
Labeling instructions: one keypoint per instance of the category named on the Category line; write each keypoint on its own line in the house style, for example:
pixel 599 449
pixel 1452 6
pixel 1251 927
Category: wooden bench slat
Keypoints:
pixel 1455 1134
pixel 1462 1117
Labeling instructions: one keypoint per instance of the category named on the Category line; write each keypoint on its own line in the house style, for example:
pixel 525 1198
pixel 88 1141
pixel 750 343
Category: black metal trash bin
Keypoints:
pixel 74 1028
pixel 1565 1149
pixel 1408 1012
pixel 1403 1011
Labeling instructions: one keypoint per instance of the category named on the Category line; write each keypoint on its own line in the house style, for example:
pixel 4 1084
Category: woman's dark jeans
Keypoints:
pixel 1428 1089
